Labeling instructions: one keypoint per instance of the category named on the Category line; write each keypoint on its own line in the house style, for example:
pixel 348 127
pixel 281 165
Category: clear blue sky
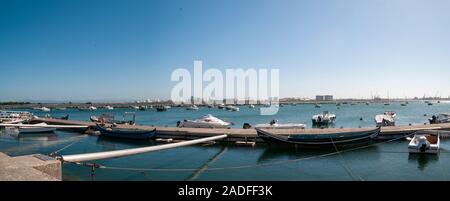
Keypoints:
pixel 125 50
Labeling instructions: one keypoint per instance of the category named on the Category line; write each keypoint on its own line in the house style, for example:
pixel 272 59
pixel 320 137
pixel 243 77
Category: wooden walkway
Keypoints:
pixel 237 134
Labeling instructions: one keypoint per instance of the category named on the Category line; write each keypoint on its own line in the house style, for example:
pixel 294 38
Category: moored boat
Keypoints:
pixel 192 107
pixel 207 121
pixel 29 130
pixel 324 119
pixel 110 119
pixel 318 137
pixel 13 117
pixel 128 133
pixel 232 108
pixel 161 108
pixel 386 119
pixel 440 118
pixel 425 142
pixel 275 125
pixel 44 109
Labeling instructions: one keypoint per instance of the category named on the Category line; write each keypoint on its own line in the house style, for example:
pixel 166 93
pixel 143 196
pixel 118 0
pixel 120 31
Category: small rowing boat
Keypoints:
pixel 129 133
pixel 318 137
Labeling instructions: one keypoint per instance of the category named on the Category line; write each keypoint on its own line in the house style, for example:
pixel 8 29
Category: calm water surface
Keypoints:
pixel 381 161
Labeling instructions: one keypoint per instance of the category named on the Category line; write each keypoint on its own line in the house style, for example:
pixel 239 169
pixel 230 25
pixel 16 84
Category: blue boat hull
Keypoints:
pixel 127 133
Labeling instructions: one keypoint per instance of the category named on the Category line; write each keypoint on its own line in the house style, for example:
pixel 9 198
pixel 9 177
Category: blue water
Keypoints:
pixel 381 161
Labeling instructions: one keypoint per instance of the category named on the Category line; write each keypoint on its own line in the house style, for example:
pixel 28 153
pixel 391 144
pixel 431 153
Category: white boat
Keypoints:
pixel 109 107
pixel 221 106
pixel 167 107
pixel 325 118
pixel 35 129
pixel 251 106
pixel 424 143
pixel 44 109
pixel 192 107
pixel 441 118
pixel 13 117
pixel 232 108
pixel 92 108
pixel 134 107
pixel 275 125
pixel 386 119
pixel 207 121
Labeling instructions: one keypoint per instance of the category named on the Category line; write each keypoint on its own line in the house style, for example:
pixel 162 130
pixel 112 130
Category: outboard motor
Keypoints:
pixel 274 121
pixel 246 126
pixel 433 119
pixel 423 144
pixel 178 123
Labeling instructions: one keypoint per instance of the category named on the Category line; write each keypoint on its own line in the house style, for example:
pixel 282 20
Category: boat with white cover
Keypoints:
pixel 207 121
pixel 275 125
pixel 192 107
pixel 35 129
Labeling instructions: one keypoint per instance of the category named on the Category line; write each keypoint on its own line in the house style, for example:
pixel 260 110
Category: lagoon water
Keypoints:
pixel 380 161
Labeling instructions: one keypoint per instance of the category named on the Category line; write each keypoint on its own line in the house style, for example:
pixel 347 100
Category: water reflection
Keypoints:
pixel 423 160
pixel 291 153
pixel 208 163
pixel 115 143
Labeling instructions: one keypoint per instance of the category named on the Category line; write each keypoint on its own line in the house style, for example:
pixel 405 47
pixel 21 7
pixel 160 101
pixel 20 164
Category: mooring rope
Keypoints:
pixel 65 147
pixel 250 165
pixel 343 164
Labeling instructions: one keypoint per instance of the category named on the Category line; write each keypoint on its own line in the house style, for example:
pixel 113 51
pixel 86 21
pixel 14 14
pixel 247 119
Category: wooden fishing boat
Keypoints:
pixel 129 133
pixel 318 137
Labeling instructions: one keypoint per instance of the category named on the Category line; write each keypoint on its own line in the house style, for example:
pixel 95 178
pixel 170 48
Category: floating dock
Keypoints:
pixel 249 135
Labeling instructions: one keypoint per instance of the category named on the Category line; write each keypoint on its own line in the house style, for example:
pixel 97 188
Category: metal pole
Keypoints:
pixel 126 152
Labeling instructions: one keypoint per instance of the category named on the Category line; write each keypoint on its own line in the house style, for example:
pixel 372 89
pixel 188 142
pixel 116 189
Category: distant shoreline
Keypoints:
pixel 70 105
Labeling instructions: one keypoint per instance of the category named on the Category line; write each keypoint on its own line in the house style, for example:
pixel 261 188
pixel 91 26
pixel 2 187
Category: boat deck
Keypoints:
pixel 238 134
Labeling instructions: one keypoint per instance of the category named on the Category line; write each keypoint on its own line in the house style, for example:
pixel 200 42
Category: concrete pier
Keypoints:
pixel 34 167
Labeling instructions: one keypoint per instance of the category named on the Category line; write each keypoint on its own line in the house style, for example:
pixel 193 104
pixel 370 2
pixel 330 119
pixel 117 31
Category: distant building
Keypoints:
pixel 320 98
pixel 324 97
